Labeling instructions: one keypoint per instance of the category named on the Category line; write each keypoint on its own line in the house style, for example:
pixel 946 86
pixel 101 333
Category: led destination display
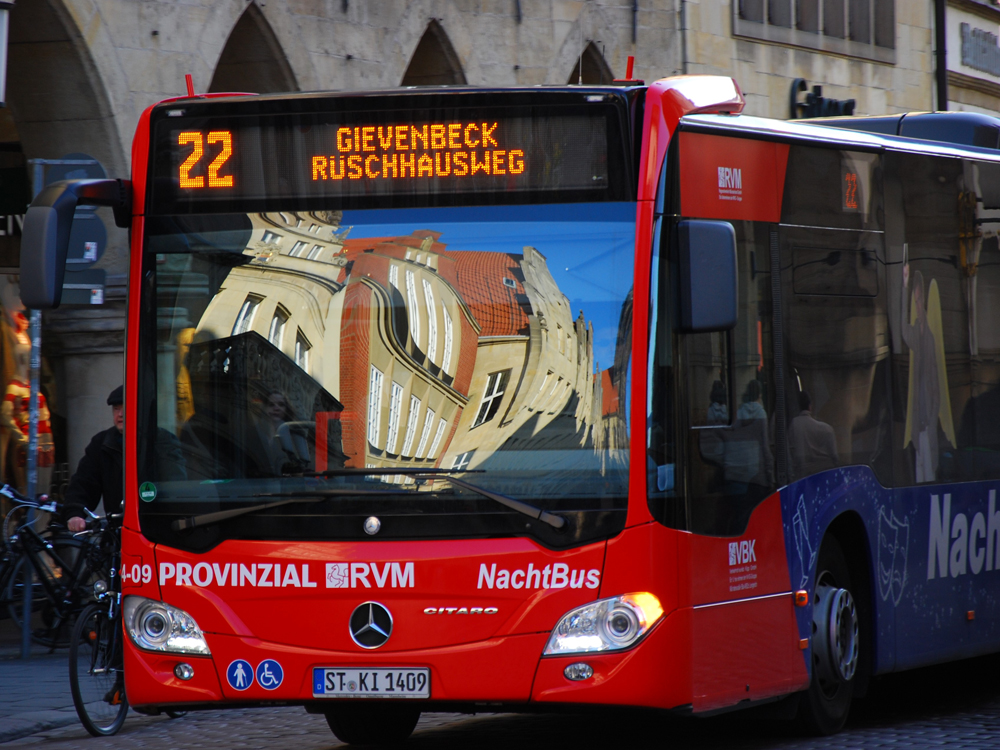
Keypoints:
pixel 232 162
pixel 430 151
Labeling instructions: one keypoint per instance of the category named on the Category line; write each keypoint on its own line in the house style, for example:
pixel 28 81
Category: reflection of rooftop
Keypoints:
pixel 490 284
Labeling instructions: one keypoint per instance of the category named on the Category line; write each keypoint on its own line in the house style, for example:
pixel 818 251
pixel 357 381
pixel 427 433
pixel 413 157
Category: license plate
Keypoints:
pixel 387 682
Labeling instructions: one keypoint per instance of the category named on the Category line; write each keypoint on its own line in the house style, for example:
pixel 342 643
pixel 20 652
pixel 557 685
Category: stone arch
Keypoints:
pixel 434 61
pixel 252 59
pixel 591 68
pixel 58 102
pixel 62 98
pixel 593 22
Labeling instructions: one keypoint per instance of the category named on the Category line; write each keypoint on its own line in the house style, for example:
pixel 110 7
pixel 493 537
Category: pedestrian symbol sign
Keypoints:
pixel 269 674
pixel 240 675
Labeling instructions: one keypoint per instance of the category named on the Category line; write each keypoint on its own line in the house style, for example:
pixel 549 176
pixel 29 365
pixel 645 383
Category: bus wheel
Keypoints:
pixel 835 643
pixel 366 724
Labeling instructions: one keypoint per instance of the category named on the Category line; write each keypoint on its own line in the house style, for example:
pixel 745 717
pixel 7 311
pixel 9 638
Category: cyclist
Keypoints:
pixel 99 473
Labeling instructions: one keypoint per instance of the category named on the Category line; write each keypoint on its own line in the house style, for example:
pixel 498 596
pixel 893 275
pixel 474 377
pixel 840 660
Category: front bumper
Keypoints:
pixel 507 671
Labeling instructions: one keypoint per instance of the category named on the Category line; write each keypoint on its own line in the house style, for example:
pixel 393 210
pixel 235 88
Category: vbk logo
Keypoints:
pixel 741 553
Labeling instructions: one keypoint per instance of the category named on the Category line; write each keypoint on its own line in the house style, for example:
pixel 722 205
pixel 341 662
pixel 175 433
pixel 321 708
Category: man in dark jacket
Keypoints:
pixel 99 473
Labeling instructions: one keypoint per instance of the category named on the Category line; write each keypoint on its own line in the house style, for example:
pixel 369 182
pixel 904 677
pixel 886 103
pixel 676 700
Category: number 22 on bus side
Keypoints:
pixel 196 139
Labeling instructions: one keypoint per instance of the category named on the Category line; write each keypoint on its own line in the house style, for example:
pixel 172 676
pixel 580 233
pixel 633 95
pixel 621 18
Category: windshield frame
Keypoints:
pixel 444 512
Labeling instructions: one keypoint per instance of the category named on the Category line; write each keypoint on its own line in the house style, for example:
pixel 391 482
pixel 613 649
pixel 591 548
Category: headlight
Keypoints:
pixel 605 625
pixel 156 626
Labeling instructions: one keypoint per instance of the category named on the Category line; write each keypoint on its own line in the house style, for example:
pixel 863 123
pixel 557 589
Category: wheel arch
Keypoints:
pixel 849 530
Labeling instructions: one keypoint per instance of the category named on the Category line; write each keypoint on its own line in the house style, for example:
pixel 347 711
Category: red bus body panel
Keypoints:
pixel 761 165
pixel 311 610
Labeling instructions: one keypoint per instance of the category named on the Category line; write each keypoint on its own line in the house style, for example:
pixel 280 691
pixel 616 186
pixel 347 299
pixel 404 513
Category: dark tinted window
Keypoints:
pixel 752 10
pixel 835 322
pixel 779 13
pixel 945 303
pixel 837 405
pixel 831 188
pixel 861 22
pixel 885 23
pixel 851 272
pixel 833 18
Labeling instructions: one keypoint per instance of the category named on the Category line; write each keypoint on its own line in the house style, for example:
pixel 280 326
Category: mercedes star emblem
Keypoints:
pixel 370 625
pixel 372 525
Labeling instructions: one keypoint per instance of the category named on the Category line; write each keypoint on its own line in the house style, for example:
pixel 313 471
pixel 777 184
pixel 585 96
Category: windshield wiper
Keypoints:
pixel 384 472
pixel 301 496
pixel 316 496
pixel 553 520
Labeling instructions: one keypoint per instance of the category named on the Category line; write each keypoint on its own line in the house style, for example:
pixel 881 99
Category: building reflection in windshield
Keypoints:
pixel 319 351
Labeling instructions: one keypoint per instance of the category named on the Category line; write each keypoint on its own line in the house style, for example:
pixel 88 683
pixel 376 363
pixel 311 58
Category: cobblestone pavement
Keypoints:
pixel 957 706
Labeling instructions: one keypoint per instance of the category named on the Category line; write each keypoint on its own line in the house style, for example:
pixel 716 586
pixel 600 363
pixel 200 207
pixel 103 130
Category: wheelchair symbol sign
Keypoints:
pixel 269 674
pixel 240 675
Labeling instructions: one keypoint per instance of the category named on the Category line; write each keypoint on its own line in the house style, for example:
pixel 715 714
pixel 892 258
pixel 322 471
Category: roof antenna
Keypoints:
pixel 628 67
pixel 190 84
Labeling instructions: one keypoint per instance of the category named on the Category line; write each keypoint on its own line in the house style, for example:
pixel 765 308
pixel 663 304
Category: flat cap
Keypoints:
pixel 115 398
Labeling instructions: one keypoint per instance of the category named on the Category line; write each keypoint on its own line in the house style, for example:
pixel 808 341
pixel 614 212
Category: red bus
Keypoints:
pixel 549 397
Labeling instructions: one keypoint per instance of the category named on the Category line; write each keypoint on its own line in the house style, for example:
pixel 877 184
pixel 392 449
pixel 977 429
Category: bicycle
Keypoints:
pixel 59 569
pixel 96 656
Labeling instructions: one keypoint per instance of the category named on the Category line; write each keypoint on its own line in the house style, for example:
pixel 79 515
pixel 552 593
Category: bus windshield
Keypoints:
pixel 324 359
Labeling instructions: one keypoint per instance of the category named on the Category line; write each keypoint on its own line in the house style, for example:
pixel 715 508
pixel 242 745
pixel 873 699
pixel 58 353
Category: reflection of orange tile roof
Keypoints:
pixel 352 247
pixel 479 278
pixel 609 395
pixel 494 304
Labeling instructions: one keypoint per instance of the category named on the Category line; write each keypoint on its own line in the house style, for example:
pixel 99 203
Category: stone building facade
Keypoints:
pixel 82 71
pixel 973 56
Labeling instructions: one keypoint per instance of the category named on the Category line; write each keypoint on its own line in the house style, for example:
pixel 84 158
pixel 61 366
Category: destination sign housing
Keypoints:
pixel 234 162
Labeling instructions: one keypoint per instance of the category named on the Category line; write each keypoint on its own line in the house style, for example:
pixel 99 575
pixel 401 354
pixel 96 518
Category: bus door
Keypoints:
pixel 745 639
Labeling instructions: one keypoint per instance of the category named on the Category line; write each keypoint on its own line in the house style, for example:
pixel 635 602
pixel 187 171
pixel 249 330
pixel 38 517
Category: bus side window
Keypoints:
pixel 835 320
pixel 729 384
pixel 948 341
pixel 709 397
pixel 660 457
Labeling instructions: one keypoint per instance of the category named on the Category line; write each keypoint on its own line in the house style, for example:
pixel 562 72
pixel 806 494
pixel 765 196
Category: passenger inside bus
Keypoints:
pixel 812 443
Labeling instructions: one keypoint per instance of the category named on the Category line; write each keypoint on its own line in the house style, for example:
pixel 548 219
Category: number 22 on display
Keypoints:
pixel 214 180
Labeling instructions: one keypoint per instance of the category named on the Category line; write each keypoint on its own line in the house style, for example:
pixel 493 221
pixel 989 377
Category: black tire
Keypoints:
pixel 823 708
pixel 96 676
pixel 368 724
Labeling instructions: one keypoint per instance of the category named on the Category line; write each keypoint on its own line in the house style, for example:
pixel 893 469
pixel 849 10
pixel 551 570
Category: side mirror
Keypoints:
pixel 45 236
pixel 708 282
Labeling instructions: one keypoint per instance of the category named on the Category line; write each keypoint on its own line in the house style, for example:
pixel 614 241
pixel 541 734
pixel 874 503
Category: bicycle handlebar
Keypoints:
pixel 38 503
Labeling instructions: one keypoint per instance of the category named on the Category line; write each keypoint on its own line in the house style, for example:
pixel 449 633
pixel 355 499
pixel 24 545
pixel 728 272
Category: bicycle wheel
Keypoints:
pixel 14 595
pixel 55 627
pixel 96 676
